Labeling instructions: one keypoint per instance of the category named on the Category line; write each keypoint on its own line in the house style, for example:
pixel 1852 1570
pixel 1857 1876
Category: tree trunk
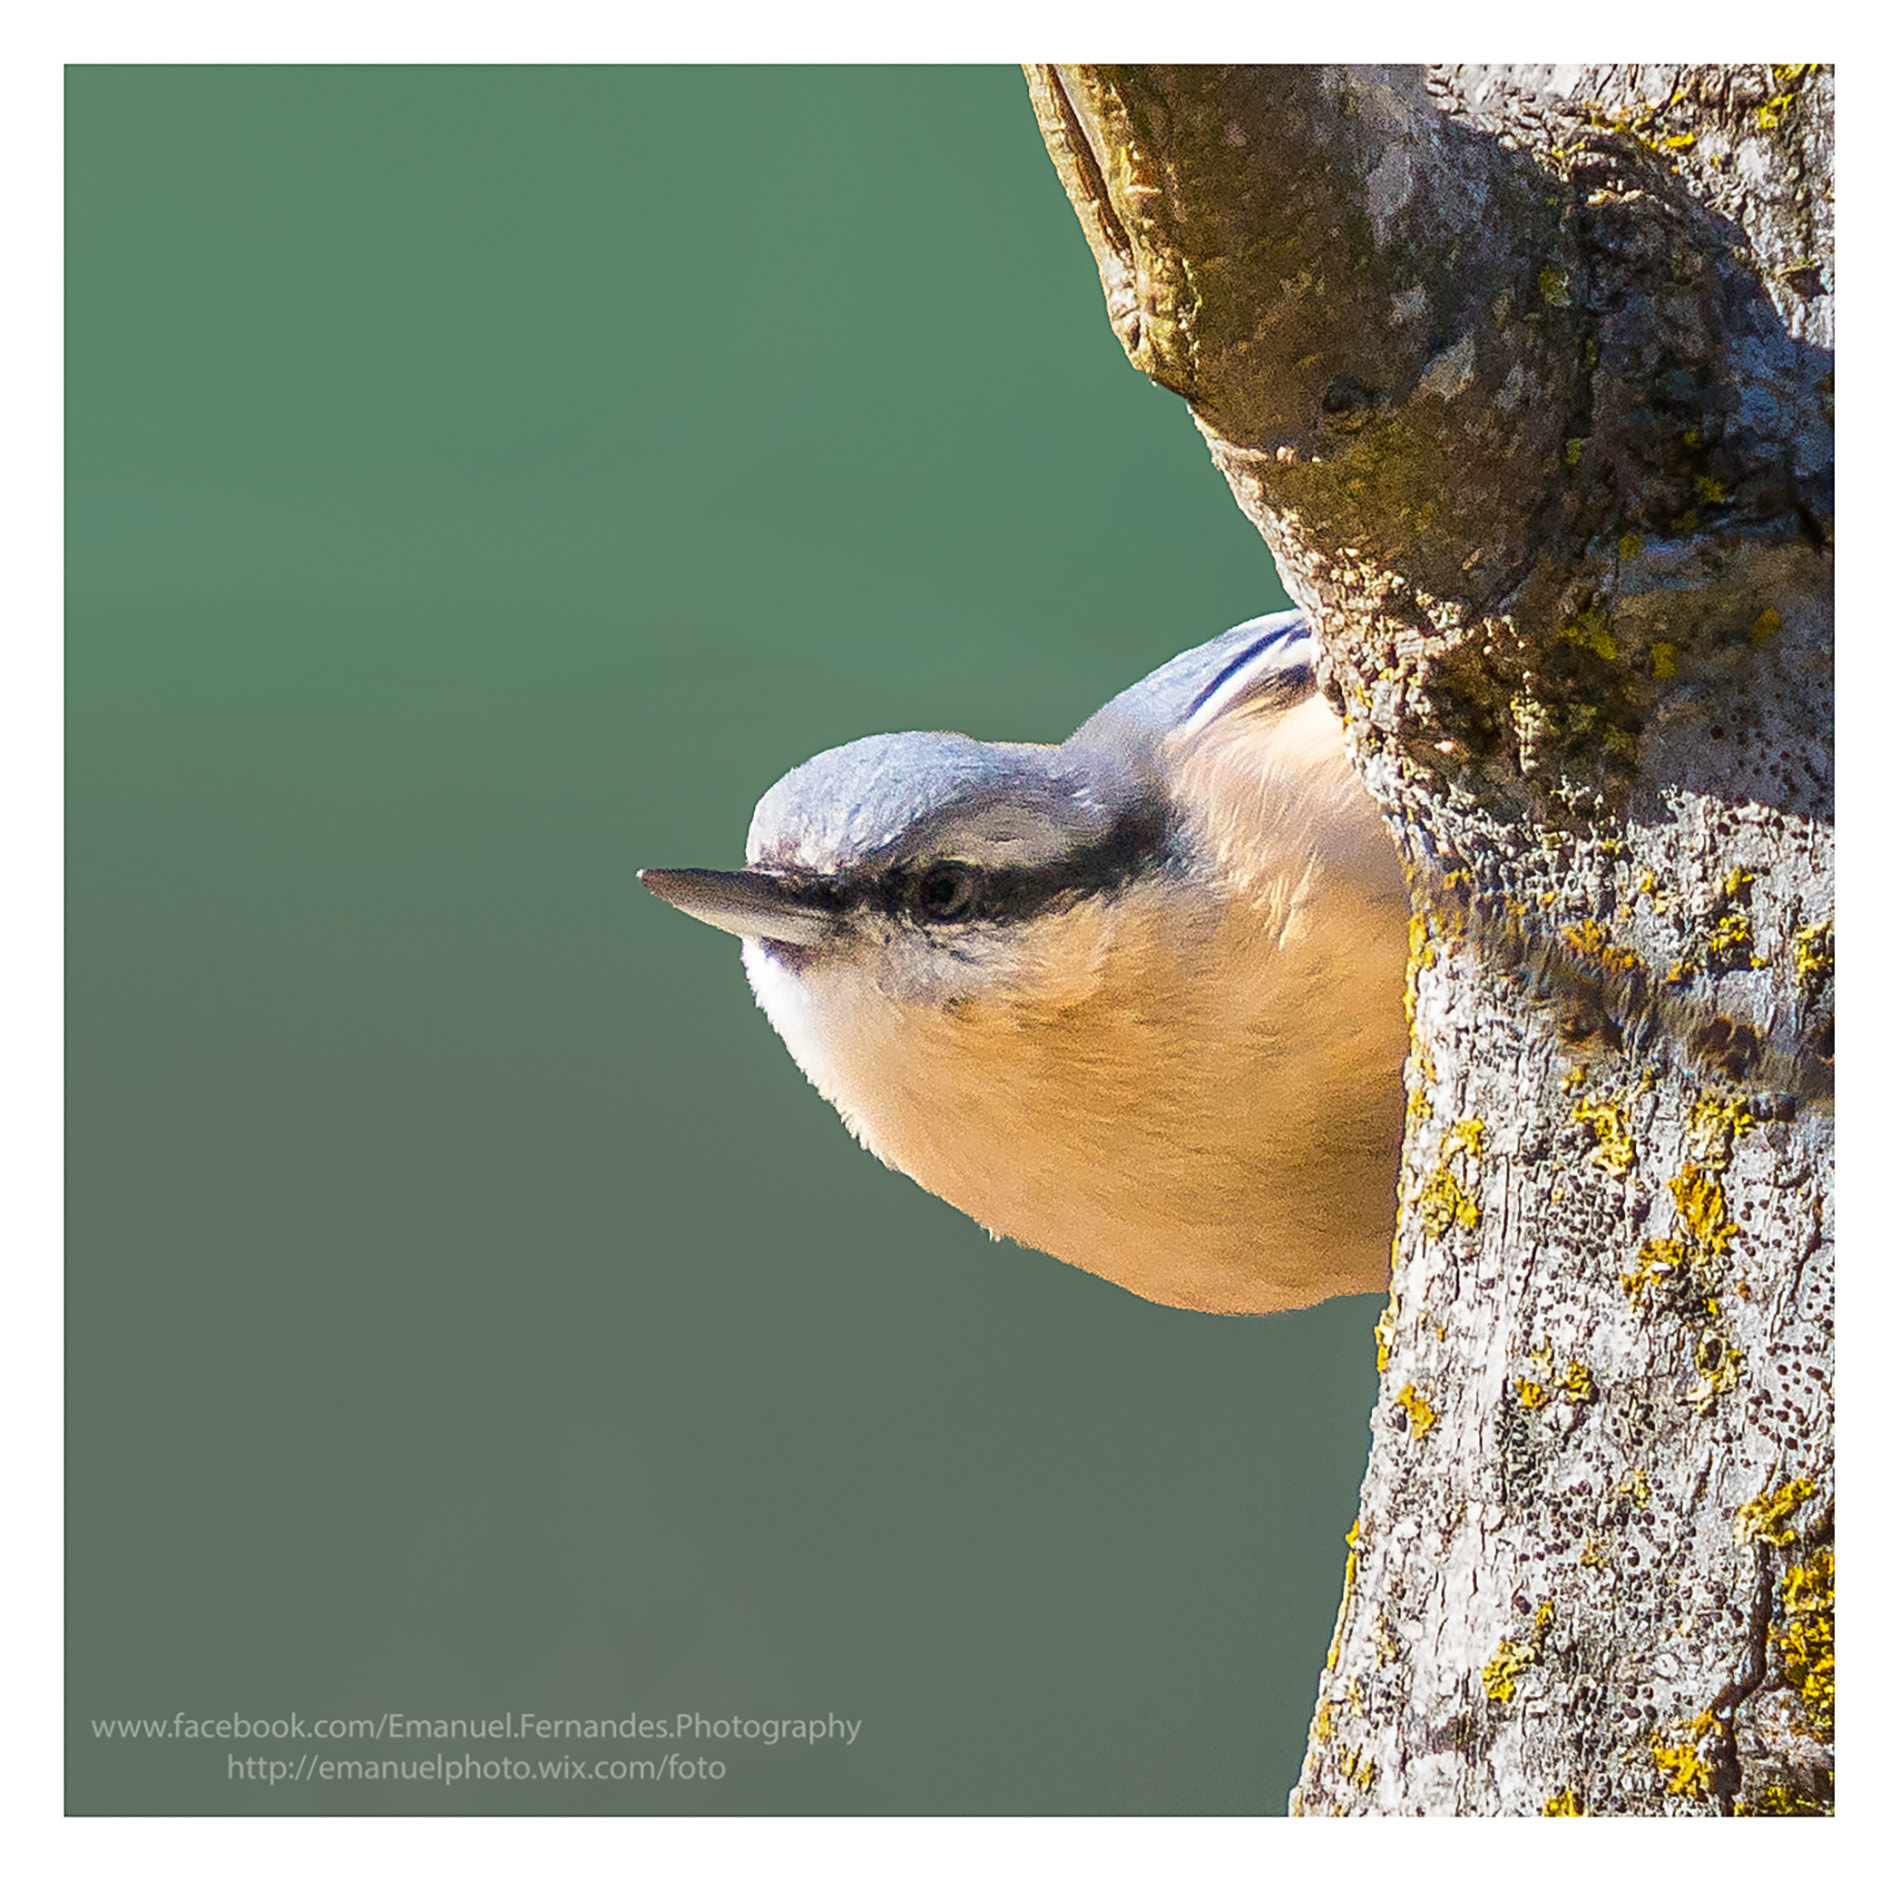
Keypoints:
pixel 1525 375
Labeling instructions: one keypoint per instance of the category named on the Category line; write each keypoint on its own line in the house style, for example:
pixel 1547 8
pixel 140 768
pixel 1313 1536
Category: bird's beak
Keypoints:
pixel 753 906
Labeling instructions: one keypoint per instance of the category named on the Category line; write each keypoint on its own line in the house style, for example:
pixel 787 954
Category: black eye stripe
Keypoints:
pixel 950 890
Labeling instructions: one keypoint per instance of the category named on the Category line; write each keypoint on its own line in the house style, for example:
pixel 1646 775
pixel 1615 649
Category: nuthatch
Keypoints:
pixel 1134 999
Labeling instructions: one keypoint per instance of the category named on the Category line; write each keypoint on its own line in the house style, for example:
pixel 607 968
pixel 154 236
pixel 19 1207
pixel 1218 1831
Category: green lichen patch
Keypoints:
pixel 1590 628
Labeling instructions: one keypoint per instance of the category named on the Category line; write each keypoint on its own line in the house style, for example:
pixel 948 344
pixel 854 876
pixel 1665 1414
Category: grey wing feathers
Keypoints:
pixel 1268 658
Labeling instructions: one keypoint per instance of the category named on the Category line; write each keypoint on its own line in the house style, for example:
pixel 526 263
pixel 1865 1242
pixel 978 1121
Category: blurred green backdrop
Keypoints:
pixel 483 482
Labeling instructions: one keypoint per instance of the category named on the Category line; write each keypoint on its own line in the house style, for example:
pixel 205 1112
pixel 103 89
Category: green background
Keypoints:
pixel 484 482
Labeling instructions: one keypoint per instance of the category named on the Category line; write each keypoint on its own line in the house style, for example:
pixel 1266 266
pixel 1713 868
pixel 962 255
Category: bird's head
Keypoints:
pixel 922 862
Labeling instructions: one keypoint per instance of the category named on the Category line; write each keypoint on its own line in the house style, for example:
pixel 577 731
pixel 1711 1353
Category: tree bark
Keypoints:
pixel 1525 376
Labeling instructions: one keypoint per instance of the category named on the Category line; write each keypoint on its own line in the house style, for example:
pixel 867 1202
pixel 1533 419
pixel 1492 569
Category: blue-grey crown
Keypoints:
pixel 906 794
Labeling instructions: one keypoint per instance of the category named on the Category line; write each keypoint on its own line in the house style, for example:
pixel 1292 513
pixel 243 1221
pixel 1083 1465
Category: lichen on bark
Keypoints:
pixel 1525 376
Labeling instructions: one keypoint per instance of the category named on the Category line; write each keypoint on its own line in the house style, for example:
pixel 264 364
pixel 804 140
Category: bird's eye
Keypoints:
pixel 944 892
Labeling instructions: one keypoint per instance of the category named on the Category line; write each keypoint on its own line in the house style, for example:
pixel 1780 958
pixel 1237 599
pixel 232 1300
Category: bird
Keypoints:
pixel 1135 999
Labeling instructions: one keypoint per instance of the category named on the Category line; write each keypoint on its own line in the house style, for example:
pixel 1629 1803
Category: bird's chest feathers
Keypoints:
pixel 1029 1093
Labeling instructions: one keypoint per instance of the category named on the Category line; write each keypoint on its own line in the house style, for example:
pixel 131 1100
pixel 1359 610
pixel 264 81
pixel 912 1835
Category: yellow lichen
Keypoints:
pixel 1806 1643
pixel 1418 1409
pixel 1501 1672
pixel 1578 1386
pixel 1769 116
pixel 1658 1261
pixel 1593 938
pixel 1565 1803
pixel 1704 1211
pixel 1685 1770
pixel 1734 932
pixel 1662 659
pixel 1533 1395
pixel 1615 1147
pixel 1387 1641
pixel 1419 957
pixel 1715 1126
pixel 1508 1663
pixel 1322 1725
pixel 1765 1517
pixel 1777 1799
pixel 1591 629
pixel 1442 1202
pixel 1814 951
pixel 1767 624
pixel 1629 547
pixel 1720 1366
